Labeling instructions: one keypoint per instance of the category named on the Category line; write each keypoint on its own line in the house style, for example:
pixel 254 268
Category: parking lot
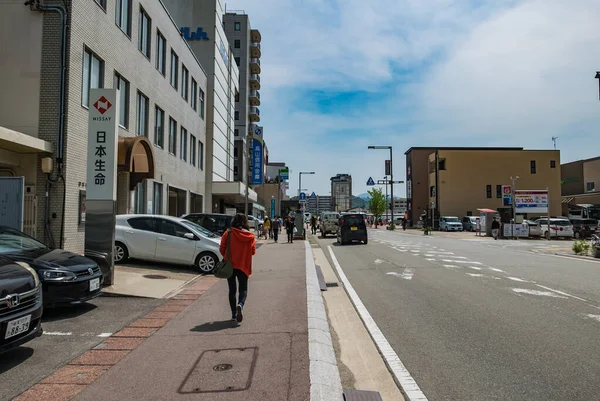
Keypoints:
pixel 68 332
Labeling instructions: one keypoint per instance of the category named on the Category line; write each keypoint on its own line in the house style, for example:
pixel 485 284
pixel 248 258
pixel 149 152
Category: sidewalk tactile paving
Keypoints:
pixel 99 357
pixel 135 332
pixel 175 308
pixel 178 302
pixel 75 374
pixel 192 292
pixel 120 343
pixel 161 315
pixel 181 296
pixel 50 392
pixel 156 323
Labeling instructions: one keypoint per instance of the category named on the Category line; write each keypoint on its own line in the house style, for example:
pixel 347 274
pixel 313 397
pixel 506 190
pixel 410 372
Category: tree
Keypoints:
pixel 377 202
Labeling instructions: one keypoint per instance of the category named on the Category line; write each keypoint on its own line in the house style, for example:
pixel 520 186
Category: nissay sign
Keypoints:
pixel 189 35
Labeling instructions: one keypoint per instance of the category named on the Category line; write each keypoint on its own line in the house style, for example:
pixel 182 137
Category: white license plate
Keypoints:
pixel 94 284
pixel 17 326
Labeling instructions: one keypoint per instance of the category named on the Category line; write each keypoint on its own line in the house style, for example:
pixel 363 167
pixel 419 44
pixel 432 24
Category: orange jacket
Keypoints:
pixel 243 246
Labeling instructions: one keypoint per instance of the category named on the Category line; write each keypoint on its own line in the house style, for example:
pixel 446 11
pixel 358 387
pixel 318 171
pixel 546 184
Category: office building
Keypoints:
pixel 201 24
pixel 135 48
pixel 341 191
pixel 319 204
pixel 467 179
pixel 581 181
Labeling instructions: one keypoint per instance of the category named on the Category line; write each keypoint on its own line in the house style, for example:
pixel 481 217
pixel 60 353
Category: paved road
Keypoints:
pixel 68 333
pixel 480 321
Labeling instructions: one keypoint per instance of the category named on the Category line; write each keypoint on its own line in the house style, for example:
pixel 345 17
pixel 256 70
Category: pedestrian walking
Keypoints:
pixel 289 227
pixel 242 247
pixel 495 228
pixel 313 225
pixel 267 227
pixel 275 226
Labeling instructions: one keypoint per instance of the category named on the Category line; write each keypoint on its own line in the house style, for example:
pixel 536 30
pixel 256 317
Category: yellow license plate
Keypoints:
pixel 353 228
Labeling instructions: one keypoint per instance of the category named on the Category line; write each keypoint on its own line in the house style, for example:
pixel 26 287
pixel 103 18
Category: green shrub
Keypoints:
pixel 581 247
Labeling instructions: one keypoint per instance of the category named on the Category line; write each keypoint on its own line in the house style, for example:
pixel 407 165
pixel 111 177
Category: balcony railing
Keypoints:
pixel 255 49
pixel 254 81
pixel 254 114
pixel 255 65
pixel 254 98
pixel 255 35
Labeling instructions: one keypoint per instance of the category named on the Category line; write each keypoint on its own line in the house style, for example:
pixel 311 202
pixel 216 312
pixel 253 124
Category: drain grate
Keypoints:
pixel 221 370
pixel 332 284
pixel 155 276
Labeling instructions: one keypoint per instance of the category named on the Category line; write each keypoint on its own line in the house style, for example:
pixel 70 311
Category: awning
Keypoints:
pixel 233 190
pixel 22 143
pixel 259 207
pixel 567 200
pixel 136 157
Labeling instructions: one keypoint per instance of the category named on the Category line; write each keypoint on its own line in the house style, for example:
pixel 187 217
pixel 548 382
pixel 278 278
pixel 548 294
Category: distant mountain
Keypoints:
pixel 364 196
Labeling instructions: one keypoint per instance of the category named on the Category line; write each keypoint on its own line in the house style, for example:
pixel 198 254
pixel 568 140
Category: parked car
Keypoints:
pixel 20 304
pixel 329 223
pixel 558 227
pixel 217 223
pixel 450 223
pixel 534 229
pixel 255 222
pixel 584 228
pixel 469 223
pixel 352 227
pixel 67 278
pixel 165 239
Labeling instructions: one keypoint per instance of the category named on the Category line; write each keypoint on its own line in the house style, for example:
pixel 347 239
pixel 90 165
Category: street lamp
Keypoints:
pixel 391 178
pixel 300 181
pixel 514 180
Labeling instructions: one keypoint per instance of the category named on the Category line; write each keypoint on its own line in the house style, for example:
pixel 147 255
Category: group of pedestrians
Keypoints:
pixel 273 227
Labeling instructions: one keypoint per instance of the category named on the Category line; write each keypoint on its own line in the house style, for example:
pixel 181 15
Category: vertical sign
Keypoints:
pixel 101 186
pixel 506 195
pixel 272 208
pixel 257 156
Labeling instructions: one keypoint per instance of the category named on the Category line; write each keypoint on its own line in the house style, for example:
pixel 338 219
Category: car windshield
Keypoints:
pixel 14 241
pixel 594 213
pixel 452 220
pixel 198 228
pixel 560 222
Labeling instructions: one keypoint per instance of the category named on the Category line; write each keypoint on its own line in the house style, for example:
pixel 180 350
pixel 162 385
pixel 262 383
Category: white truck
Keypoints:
pixel 329 223
pixel 584 211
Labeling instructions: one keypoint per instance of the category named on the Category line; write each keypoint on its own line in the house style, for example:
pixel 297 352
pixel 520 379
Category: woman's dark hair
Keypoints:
pixel 240 221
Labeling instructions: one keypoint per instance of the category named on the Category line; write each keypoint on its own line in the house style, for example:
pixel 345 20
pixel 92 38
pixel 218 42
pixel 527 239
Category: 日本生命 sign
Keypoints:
pixel 102 145
pixel 531 201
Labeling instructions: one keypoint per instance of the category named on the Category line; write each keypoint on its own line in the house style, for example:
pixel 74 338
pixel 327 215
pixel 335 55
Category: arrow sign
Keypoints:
pixel 370 181
pixel 302 196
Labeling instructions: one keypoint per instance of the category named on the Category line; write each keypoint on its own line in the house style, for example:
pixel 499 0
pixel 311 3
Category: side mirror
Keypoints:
pixel 189 236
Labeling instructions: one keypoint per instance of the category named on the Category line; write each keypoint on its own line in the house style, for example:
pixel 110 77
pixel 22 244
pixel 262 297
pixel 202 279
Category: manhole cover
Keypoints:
pixel 221 370
pixel 155 276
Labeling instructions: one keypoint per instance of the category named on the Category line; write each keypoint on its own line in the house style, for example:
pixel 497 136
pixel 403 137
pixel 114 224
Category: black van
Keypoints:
pixel 215 222
pixel 352 227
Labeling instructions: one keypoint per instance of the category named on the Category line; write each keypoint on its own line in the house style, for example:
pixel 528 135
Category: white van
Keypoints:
pixel 329 223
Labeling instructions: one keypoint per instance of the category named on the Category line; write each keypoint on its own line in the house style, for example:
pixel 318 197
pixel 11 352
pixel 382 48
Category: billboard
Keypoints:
pixel 531 201
pixel 506 195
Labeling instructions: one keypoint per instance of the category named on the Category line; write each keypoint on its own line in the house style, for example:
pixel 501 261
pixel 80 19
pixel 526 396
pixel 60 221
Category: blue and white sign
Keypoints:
pixel 257 162
pixel 313 195
pixel 284 174
pixel 224 54
pixel 302 196
pixel 272 208
pixel 370 181
pixel 531 201
pixel 258 131
pixel 198 35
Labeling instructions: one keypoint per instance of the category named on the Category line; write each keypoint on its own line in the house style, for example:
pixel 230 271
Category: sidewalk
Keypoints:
pixel 188 349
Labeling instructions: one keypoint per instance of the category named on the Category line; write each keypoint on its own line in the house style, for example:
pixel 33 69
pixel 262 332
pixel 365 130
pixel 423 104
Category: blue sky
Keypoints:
pixel 338 76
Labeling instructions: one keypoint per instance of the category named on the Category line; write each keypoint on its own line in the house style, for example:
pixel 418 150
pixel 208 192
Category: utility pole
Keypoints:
pixel 514 191
pixel 386 198
pixel 248 171
pixel 392 187
pixel 278 207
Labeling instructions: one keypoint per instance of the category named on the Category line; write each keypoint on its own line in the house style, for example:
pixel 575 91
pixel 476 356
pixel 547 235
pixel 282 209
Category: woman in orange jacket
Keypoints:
pixel 243 247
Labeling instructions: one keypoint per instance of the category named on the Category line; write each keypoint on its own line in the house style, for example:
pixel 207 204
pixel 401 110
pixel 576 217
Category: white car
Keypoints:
pixel 558 228
pixel 254 222
pixel 165 239
pixel 534 229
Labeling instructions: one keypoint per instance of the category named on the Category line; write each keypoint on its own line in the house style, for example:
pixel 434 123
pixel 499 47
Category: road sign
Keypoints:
pixel 258 131
pixel 370 181
pixel 313 195
pixel 284 174
pixel 506 195
pixel 302 196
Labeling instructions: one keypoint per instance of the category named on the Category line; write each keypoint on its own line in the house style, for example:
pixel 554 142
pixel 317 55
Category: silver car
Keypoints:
pixel 165 239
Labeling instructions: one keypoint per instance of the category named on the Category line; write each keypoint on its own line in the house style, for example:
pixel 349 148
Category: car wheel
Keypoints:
pixel 577 235
pixel 206 262
pixel 121 254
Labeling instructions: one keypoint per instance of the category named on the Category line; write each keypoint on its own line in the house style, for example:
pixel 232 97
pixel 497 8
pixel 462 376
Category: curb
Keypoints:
pixel 325 381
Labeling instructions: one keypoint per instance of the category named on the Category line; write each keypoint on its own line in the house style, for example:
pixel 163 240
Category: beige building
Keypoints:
pixel 467 180
pixel 581 181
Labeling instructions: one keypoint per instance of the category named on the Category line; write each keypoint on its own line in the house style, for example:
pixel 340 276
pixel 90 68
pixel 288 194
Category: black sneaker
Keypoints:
pixel 239 315
pixel 233 318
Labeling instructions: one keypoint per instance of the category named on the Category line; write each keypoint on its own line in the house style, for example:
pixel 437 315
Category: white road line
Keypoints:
pixel 415 250
pixel 474 267
pixel 409 385
pixel 475 274
pixel 408 273
pixel 562 293
pixel 430 259
pixel 517 279
pixel 467 261
pixel 453 266
pixel 595 317
pixel 497 270
pixel 378 261
pixel 536 292
pixel 453 257
pixel 57 333
pixel 105 334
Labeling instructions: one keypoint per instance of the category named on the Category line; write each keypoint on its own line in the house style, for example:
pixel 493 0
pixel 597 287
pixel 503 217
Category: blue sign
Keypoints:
pixel 258 131
pixel 370 181
pixel 313 195
pixel 257 162
pixel 302 196
pixel 272 208
pixel 198 35
pixel 223 52
pixel 284 174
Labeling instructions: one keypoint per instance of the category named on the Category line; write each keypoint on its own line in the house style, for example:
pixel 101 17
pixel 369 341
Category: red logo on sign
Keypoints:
pixel 102 105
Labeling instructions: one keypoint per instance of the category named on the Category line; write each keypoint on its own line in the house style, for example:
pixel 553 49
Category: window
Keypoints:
pixel 590 186
pixel 236 43
pixel 102 3
pixel 161 52
pixel 140 198
pixel 142 223
pixel 236 26
pixel 192 150
pixel 159 126
pixel 237 61
pixel 123 16
pixel 158 198
pixel 201 104
pixel 200 155
pixel 93 75
pixel 144 34
pixel 442 164
pixel 235 152
pixel 488 191
pixel 122 86
pixel 237 96
pixel 172 136
pixel 174 69
pixel 183 144
pixel 141 124
pixel 167 227
pixel 185 75
pixel 194 95
pixel 235 170
pixel 237 115
pixel 236 132
pixel 552 163
pixel 532 165
pixel 499 191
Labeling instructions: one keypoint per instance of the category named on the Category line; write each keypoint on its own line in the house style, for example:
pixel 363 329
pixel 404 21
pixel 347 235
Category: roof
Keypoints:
pixel 582 161
pixel 459 148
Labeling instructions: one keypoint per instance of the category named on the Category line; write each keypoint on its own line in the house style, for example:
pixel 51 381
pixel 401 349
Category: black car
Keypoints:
pixel 215 222
pixel 352 227
pixel 20 304
pixel 67 278
pixel 583 228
